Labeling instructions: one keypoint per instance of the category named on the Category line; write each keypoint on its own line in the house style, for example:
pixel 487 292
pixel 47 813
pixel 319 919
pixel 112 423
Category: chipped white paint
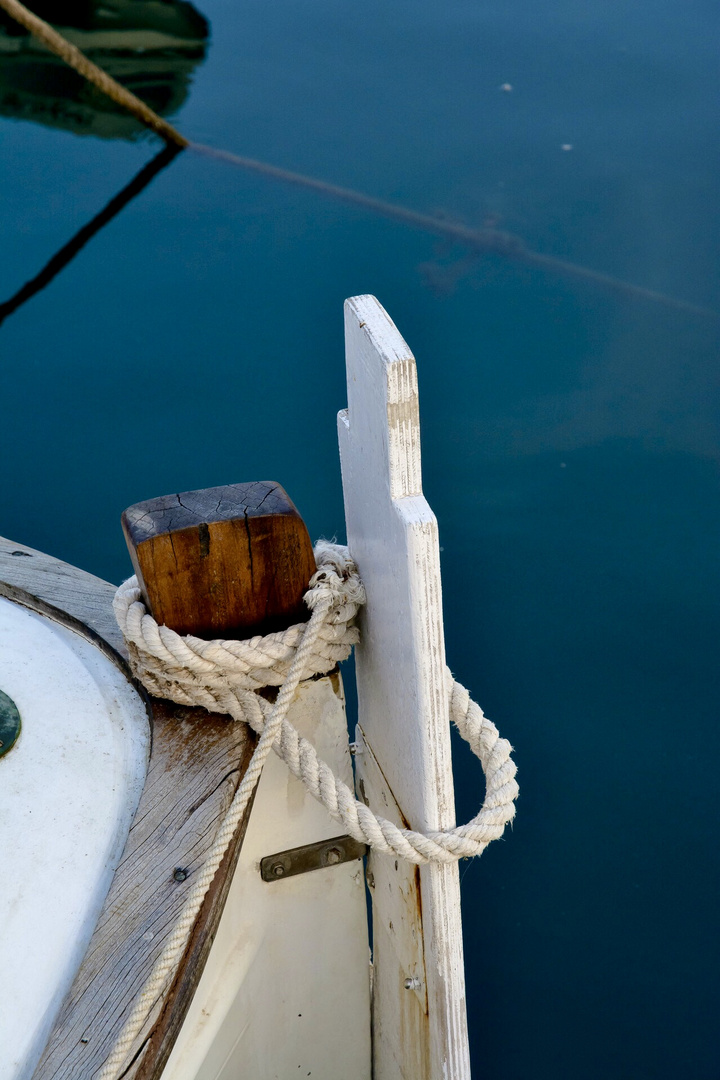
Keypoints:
pixel 392 535
pixel 68 792
pixel 286 989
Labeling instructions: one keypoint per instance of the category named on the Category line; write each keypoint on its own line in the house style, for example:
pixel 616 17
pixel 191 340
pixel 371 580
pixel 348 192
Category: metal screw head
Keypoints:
pixel 412 984
pixel 180 873
pixel 278 869
pixel 333 856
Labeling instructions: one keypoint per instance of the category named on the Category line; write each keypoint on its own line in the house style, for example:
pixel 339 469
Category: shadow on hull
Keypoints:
pixel 152 47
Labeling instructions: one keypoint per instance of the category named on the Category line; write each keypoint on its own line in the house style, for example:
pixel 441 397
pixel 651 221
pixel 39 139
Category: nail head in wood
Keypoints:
pixel 229 561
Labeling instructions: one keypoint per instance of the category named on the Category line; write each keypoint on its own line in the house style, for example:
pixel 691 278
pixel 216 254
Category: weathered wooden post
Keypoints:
pixel 229 561
pixel 403 743
pixel 286 987
pixel 224 562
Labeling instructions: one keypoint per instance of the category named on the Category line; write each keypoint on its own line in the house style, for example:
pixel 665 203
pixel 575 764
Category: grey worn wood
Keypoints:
pixel 55 588
pixel 196 764
pixel 195 767
pixel 159 1039
pixel 236 561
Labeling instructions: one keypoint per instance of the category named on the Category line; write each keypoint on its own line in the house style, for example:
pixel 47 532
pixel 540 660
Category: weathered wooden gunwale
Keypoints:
pixel 196 764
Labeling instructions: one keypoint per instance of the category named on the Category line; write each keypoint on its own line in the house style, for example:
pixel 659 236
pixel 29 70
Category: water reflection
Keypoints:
pixel 152 47
pixel 68 252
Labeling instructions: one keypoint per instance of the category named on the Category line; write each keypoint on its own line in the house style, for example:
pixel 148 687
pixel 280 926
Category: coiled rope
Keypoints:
pixel 222 676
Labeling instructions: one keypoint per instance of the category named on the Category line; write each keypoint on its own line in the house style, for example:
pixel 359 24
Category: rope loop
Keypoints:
pixel 223 676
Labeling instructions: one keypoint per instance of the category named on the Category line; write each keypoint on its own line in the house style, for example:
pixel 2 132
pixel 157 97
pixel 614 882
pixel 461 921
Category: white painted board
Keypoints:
pixel 286 989
pixel 69 789
pixel 419 1032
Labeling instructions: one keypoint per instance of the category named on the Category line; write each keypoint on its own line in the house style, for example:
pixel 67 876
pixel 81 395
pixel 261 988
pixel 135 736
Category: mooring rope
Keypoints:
pixel 79 62
pixel 223 676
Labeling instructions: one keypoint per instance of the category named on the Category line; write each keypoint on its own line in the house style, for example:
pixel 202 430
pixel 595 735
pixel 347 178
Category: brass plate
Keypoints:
pixel 334 852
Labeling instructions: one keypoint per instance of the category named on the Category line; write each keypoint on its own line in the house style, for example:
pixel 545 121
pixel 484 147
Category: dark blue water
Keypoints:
pixel 570 434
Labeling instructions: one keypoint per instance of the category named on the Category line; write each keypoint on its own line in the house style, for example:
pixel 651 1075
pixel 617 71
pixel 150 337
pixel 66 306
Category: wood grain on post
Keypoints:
pixel 230 561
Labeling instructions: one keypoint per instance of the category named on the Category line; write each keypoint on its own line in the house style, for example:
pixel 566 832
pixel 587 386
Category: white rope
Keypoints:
pixel 222 676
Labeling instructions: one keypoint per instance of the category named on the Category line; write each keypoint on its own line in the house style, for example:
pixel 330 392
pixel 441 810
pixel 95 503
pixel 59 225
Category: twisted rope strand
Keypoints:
pixel 176 943
pixel 222 676
pixel 79 62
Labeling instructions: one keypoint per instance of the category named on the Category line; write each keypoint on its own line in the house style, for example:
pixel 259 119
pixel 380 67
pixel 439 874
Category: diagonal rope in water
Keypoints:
pixel 489 241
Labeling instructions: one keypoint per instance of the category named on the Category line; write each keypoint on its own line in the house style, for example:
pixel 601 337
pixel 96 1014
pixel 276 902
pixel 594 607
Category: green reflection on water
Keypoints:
pixel 151 48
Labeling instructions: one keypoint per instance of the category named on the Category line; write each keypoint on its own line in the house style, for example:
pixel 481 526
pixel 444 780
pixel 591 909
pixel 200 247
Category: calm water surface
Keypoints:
pixel 570 434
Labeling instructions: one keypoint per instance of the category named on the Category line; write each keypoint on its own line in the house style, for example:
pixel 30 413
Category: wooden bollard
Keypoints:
pixel 230 561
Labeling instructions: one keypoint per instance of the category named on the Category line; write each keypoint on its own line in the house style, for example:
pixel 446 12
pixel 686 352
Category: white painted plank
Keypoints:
pixel 68 792
pixel 392 535
pixel 286 989
pixel 401 1033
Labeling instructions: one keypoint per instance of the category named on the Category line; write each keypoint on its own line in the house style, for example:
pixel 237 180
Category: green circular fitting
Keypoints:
pixel 9 723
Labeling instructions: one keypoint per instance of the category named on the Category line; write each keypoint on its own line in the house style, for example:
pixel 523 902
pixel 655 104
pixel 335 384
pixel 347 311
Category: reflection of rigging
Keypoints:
pixel 68 252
